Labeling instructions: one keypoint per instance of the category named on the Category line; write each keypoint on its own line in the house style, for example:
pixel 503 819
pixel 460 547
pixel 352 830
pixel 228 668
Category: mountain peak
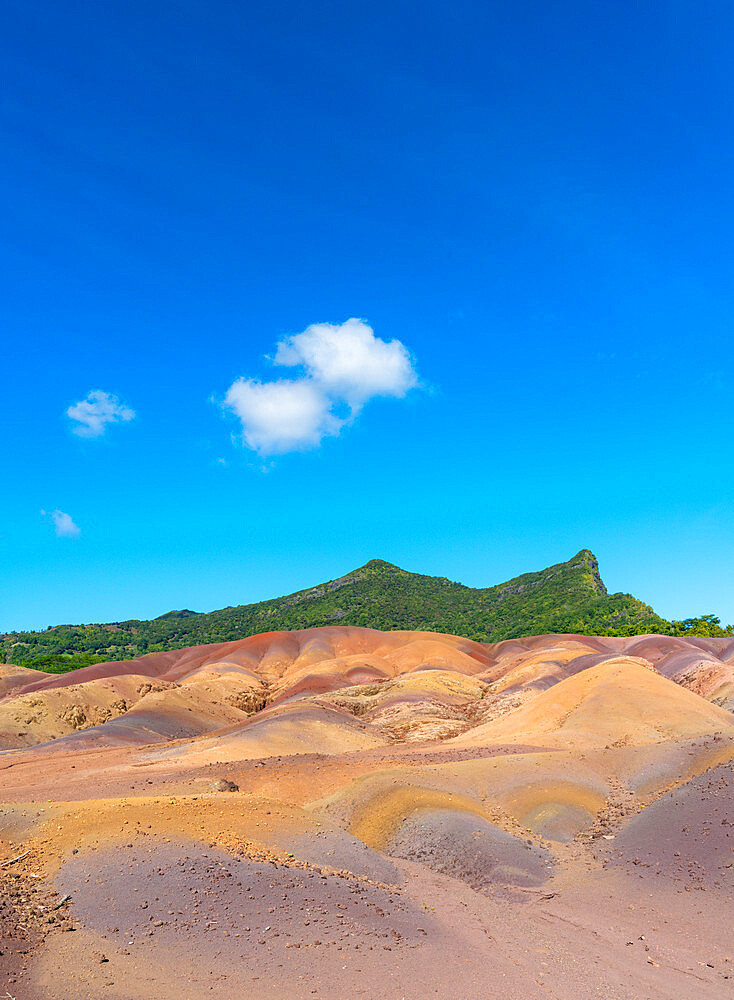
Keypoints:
pixel 175 615
pixel 379 565
pixel 568 597
pixel 585 554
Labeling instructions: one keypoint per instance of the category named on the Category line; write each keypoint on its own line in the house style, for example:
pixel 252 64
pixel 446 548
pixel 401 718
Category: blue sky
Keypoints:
pixel 530 208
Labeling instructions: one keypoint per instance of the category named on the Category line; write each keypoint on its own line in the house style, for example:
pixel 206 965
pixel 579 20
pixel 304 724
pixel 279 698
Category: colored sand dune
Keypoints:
pixel 342 811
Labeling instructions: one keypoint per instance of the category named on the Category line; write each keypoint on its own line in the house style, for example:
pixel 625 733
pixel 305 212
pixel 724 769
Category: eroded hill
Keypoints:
pixel 567 597
pixel 344 811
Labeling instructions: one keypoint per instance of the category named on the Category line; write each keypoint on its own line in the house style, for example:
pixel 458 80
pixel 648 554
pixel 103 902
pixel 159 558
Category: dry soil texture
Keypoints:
pixel 343 812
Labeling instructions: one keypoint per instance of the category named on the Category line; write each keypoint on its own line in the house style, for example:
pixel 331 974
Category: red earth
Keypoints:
pixel 345 812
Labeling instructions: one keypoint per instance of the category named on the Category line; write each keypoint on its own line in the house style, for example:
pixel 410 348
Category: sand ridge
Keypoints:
pixel 345 812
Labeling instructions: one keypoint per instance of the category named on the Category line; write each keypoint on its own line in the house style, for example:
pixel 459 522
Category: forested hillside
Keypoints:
pixel 567 597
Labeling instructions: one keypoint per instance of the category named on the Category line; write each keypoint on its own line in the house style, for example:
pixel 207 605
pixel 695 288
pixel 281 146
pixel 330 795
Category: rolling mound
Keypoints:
pixel 620 700
pixel 407 685
pixel 340 809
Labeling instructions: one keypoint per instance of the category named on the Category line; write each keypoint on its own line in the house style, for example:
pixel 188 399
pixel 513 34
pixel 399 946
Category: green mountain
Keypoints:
pixel 567 597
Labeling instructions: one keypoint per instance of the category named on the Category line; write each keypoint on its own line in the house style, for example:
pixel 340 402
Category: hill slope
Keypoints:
pixel 620 701
pixel 567 597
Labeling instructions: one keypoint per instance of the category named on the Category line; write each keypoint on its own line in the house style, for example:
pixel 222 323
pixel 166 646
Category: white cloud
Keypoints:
pixel 343 367
pixel 96 411
pixel 349 361
pixel 63 523
pixel 281 416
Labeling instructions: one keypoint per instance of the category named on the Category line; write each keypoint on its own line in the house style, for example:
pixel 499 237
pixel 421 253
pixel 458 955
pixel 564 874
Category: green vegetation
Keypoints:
pixel 567 597
pixel 61 663
pixel 706 625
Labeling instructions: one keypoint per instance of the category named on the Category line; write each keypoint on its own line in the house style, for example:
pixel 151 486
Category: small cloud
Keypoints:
pixel 63 523
pixel 349 361
pixel 92 414
pixel 281 416
pixel 343 367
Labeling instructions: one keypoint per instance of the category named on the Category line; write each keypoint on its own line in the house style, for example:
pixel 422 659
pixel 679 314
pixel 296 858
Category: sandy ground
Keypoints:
pixel 344 812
